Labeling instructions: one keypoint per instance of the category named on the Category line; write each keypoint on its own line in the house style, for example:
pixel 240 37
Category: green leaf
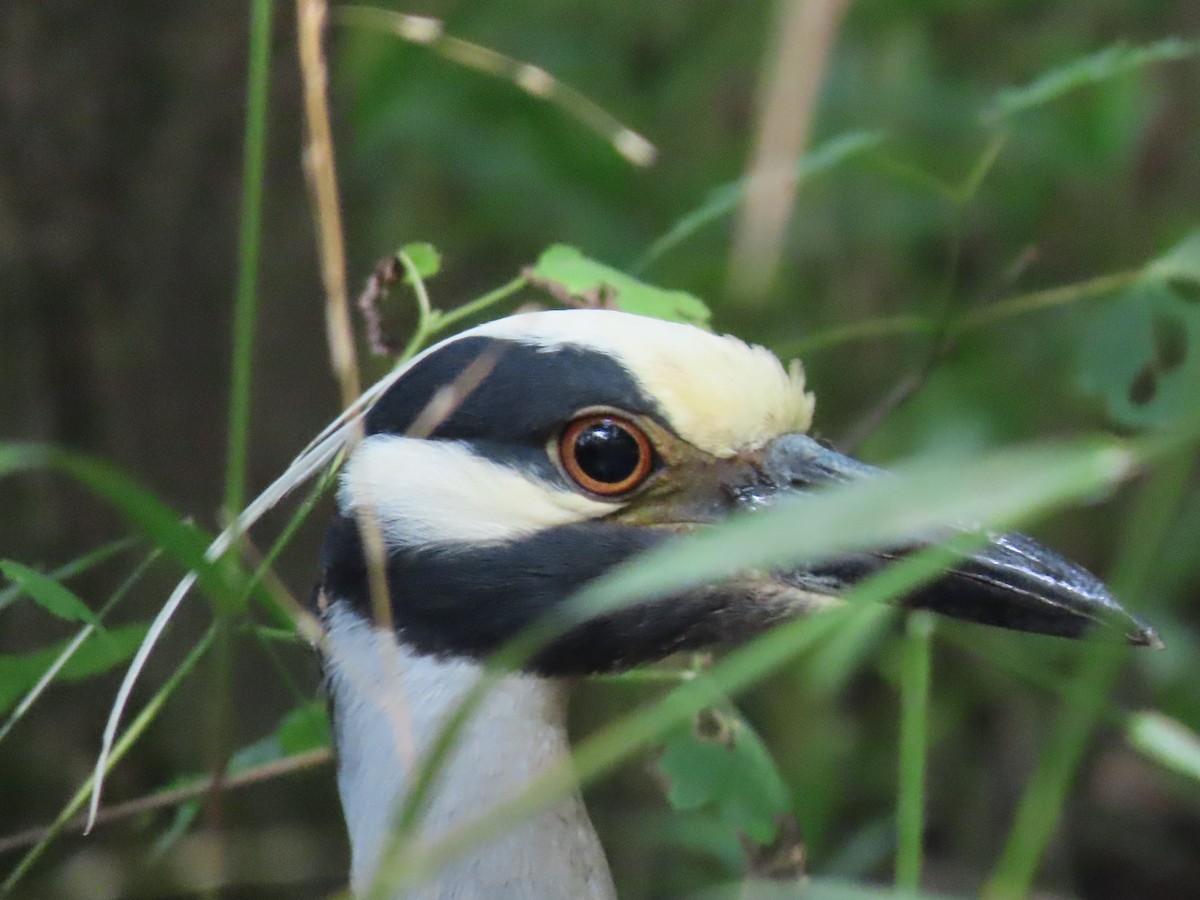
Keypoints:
pixel 722 200
pixel 102 651
pixel 722 763
pixel 1111 62
pixel 1167 741
pixel 1179 267
pixel 76 566
pixel 1141 353
pixel 305 728
pixel 49 594
pixel 424 257
pixel 164 527
pixel 575 280
pixel 185 815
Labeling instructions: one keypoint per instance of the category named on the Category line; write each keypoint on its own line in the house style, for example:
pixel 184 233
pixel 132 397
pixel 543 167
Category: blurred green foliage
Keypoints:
pixel 976 152
pixel 1014 147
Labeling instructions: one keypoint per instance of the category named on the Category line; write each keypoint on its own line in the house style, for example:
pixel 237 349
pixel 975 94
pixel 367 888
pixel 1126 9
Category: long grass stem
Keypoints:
pixel 245 308
pixel 1087 696
pixel 914 736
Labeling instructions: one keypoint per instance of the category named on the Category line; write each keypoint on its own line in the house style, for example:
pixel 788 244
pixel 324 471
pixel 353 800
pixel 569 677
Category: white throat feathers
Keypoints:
pixel 390 704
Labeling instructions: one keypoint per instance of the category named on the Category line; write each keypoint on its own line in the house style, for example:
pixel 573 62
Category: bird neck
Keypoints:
pixel 390 704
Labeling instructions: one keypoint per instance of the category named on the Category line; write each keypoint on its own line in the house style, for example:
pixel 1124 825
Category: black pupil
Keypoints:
pixel 607 452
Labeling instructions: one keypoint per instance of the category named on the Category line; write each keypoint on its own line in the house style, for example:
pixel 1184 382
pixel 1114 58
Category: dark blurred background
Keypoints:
pixel 120 165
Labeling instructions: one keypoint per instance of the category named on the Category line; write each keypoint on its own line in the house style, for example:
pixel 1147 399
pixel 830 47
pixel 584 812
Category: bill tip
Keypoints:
pixel 1145 636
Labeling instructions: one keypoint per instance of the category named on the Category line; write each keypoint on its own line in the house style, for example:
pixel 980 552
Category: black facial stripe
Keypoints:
pixel 527 394
pixel 469 601
pixel 532 460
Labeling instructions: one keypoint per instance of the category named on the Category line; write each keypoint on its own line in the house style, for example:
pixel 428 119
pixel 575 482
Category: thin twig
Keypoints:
pixel 166 799
pixel 878 414
pixel 322 174
pixel 445 320
pixel 947 326
pixel 533 80
pixel 322 180
pixel 307 625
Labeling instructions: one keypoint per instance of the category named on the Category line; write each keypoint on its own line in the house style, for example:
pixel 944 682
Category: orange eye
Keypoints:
pixel 605 454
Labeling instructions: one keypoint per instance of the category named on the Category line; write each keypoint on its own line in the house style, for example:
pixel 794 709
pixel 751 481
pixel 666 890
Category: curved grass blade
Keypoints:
pixel 724 199
pixel 1111 62
pixel 1167 741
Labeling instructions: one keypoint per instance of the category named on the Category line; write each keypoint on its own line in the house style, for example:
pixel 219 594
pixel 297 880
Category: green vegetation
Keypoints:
pixel 992 271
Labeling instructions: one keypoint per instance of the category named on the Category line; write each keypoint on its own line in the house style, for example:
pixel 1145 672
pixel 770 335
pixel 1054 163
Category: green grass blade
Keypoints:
pixel 1087 695
pixel 67 654
pixel 1167 741
pixel 165 528
pixel 120 748
pixel 245 308
pixel 993 491
pixel 1111 62
pixel 76 566
pixel 921 498
pixel 74 659
pixel 411 864
pixel 724 199
pixel 914 735
pixel 48 593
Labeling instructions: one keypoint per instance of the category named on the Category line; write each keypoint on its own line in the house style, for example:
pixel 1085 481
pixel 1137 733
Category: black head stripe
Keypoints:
pixel 528 392
pixel 469 601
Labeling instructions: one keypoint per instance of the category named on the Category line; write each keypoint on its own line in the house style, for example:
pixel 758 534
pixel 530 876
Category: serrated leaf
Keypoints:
pixel 101 652
pixel 1119 59
pixel 49 594
pixel 424 257
pixel 575 280
pixel 730 770
pixel 1167 741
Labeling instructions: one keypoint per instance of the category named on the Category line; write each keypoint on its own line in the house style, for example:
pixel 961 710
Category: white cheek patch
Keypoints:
pixel 440 492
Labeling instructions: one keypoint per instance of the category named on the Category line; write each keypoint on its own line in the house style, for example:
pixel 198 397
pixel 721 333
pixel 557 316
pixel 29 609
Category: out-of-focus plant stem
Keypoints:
pixel 914 736
pixel 1089 690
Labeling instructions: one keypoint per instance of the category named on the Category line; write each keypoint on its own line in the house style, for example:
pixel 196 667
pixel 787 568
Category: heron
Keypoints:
pixel 564 443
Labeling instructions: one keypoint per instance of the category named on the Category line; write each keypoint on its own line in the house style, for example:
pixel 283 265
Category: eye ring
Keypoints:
pixel 605 454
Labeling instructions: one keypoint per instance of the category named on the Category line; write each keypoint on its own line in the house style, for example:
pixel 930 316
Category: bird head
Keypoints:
pixel 511 465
